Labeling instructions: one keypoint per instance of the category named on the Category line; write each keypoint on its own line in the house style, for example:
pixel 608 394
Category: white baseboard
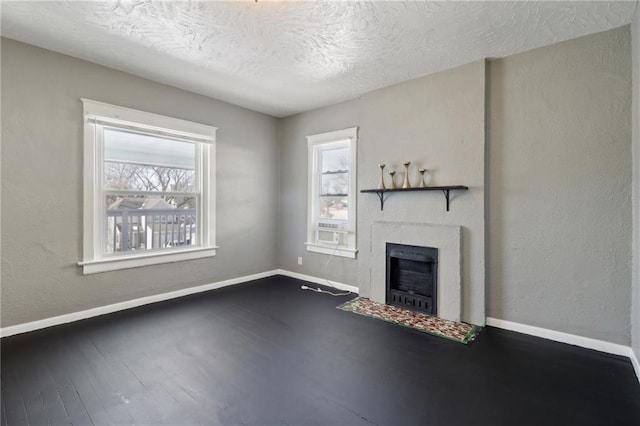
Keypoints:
pixel 635 363
pixel 101 310
pixel 558 336
pixel 571 339
pixel 321 281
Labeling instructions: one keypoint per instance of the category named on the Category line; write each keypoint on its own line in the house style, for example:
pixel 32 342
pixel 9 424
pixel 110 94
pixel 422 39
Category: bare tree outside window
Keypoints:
pixel 126 176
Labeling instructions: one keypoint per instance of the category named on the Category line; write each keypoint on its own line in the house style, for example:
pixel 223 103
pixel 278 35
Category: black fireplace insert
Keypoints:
pixel 412 277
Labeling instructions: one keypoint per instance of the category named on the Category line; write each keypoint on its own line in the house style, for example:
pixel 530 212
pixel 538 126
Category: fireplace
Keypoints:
pixel 448 240
pixel 412 277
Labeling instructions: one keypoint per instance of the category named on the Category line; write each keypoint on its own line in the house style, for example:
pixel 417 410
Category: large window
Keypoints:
pixel 331 225
pixel 149 189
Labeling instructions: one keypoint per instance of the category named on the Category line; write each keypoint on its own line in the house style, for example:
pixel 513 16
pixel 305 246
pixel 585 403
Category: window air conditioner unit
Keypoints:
pixel 330 233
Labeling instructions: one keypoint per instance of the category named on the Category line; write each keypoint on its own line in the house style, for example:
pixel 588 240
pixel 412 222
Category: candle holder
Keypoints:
pixel 381 184
pixel 393 183
pixel 406 175
pixel 422 184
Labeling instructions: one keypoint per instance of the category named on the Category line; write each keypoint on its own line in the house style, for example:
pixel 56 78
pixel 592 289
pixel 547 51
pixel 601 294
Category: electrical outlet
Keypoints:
pixel 299 260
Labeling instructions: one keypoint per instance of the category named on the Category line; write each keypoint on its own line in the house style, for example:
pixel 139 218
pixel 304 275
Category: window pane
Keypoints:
pixel 140 223
pixel 336 208
pixel 332 160
pixel 130 147
pixel 334 183
pixel 140 162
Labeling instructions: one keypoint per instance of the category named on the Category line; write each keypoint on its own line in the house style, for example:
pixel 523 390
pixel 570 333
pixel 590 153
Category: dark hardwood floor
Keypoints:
pixel 268 353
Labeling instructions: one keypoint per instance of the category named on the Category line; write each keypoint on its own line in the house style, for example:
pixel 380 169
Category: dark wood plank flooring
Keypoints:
pixel 268 353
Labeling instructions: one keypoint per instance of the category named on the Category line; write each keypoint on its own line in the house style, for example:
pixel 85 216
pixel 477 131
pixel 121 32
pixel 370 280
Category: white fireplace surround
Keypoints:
pixel 446 238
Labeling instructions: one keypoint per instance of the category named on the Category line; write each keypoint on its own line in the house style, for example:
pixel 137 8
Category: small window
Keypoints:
pixel 149 189
pixel 331 226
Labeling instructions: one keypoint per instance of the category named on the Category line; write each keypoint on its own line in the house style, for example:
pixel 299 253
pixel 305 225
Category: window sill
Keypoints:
pixel 135 261
pixel 334 251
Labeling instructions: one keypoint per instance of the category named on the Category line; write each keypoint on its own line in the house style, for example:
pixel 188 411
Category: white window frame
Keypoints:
pixel 96 116
pixel 317 143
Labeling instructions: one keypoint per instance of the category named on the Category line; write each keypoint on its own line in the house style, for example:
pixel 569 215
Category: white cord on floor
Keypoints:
pixel 326 266
pixel 319 290
pixel 326 278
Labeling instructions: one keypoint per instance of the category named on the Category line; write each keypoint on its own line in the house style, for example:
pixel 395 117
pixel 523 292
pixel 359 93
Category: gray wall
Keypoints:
pixel 436 122
pixel 560 187
pixel 42 185
pixel 635 308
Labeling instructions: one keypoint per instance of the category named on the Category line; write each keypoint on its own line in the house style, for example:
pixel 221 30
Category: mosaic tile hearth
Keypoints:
pixel 457 331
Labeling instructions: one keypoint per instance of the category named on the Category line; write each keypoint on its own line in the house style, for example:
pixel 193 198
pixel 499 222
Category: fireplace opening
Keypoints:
pixel 412 277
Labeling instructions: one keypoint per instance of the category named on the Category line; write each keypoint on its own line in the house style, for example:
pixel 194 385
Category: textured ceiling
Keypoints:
pixel 282 57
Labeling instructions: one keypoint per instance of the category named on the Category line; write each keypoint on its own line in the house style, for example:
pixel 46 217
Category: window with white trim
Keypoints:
pixel 149 188
pixel 331 206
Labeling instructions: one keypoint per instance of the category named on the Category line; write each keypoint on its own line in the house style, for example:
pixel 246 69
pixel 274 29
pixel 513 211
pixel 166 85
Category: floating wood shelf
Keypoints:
pixel 445 190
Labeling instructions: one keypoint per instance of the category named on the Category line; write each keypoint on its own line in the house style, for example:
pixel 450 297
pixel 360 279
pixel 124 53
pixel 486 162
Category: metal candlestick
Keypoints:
pixel 406 175
pixel 422 184
pixel 381 184
pixel 393 183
